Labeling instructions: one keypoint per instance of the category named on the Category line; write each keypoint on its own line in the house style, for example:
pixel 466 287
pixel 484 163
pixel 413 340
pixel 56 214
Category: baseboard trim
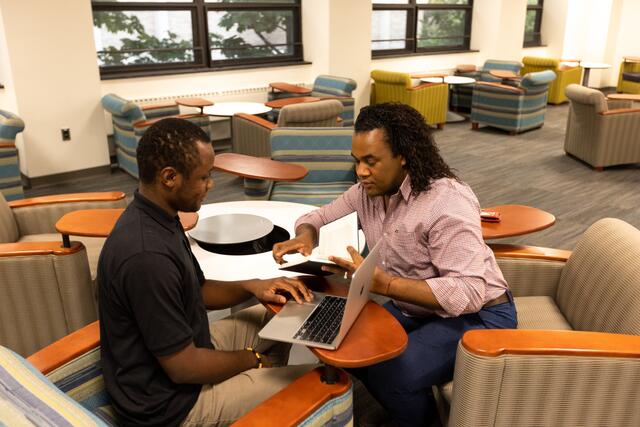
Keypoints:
pixel 65 176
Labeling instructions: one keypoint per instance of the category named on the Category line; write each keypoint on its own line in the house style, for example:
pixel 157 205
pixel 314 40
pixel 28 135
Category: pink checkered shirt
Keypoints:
pixel 435 236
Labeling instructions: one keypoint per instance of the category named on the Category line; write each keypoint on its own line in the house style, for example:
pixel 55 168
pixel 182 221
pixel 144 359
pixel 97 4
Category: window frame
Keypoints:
pixel 203 60
pixel 411 38
pixel 537 27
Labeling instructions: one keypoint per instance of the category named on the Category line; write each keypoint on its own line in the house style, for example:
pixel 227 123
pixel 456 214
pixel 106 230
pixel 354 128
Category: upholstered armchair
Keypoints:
pixel 629 77
pixel 460 95
pixel 10 179
pixel 430 99
pixel 599 132
pixel 251 134
pixel 575 357
pixel 324 86
pixel 63 383
pixel 566 75
pixel 512 108
pixel 29 221
pixel 131 121
pixel 325 152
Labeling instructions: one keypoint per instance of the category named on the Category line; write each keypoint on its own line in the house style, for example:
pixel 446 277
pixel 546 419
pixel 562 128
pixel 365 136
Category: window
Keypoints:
pixel 533 23
pixel 138 37
pixel 415 26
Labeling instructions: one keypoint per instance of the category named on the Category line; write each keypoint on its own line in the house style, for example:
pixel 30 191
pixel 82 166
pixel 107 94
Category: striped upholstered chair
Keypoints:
pixel 130 122
pixel 325 152
pixel 629 77
pixel 599 132
pixel 512 108
pixel 575 358
pixel 10 180
pixel 72 391
pixel 566 74
pixel 460 95
pixel 330 87
pixel 430 99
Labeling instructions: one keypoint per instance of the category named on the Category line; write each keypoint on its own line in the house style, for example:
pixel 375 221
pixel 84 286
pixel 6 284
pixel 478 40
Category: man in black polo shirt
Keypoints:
pixel 163 363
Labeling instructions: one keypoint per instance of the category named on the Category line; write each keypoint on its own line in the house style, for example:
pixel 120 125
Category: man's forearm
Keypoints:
pixel 218 294
pixel 408 290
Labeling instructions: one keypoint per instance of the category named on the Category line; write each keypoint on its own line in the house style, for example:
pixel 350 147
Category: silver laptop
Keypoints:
pixel 325 321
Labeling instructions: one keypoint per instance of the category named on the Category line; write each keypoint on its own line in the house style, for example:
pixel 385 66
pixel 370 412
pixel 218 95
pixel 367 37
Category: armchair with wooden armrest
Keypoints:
pixel 629 77
pixel 251 134
pixel 131 121
pixel 307 400
pixel 575 357
pixel 461 95
pixel 567 72
pixel 10 177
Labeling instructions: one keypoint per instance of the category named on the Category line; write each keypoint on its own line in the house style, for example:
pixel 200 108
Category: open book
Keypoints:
pixel 333 240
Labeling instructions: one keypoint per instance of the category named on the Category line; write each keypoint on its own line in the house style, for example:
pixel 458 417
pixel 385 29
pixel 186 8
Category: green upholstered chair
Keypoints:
pixel 512 108
pixel 629 77
pixel 325 152
pixel 62 384
pixel 565 75
pixel 575 358
pixel 10 179
pixel 130 122
pixel 599 132
pixel 460 95
pixel 331 87
pixel 430 99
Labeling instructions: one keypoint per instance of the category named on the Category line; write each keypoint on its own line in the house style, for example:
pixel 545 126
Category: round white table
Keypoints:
pixel 228 109
pixel 587 69
pixel 451 80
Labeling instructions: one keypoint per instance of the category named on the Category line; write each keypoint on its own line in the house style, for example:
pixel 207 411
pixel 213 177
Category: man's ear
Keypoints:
pixel 169 177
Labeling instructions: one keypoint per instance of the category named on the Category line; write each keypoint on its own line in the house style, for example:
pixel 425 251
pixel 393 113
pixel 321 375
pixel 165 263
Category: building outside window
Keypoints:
pixel 140 37
pixel 401 27
pixel 533 23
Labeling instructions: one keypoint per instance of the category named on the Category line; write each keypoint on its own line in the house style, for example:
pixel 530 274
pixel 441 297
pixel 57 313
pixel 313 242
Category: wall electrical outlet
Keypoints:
pixel 66 134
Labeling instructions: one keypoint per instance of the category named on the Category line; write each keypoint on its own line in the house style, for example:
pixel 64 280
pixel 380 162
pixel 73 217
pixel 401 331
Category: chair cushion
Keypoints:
pixel 539 312
pixel 28 398
pixel 634 77
pixel 8 227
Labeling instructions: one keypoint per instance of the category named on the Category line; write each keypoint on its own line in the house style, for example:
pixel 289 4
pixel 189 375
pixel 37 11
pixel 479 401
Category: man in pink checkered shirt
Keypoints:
pixel 440 275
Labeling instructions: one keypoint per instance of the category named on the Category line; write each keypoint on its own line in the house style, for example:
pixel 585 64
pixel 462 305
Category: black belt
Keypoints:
pixel 499 300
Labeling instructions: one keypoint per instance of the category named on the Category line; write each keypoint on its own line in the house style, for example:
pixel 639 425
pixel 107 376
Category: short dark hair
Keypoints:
pixel 168 142
pixel 408 135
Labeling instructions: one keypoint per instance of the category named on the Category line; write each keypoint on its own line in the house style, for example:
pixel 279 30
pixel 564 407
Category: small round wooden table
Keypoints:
pixel 516 220
pixel 194 102
pixel 283 102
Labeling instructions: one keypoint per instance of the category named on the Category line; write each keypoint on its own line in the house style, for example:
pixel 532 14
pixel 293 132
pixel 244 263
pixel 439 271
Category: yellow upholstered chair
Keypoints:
pixel 565 75
pixel 430 99
pixel 629 78
pixel 575 358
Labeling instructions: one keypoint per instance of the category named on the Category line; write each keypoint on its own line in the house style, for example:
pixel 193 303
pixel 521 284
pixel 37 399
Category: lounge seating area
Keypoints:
pixel 534 107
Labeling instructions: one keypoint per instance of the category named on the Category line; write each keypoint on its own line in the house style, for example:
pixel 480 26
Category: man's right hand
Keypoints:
pixel 296 245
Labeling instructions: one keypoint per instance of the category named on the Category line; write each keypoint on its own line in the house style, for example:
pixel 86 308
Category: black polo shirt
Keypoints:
pixel 150 305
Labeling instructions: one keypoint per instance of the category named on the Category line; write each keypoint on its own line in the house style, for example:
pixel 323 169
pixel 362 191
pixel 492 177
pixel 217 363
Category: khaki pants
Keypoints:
pixel 222 404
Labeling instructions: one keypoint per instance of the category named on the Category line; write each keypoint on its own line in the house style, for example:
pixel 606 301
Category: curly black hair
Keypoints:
pixel 408 135
pixel 168 142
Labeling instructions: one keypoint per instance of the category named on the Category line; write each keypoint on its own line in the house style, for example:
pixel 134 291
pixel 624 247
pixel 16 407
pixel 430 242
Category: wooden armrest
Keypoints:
pixel 570 60
pixel 619 111
pixel 499 342
pixel 425 75
pixel 38 248
pixel 293 404
pixel 501 250
pixel 286 87
pixel 504 74
pixel 107 196
pixel 565 67
pixel 623 97
pixel 158 106
pixel 466 68
pixel 426 85
pixel 7 145
pixel 66 348
pixel 257 120
pixel 147 123
pixel 631 59
pixel 501 86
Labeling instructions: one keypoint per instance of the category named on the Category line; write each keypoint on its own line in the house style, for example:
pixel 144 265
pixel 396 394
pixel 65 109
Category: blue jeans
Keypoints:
pixel 403 385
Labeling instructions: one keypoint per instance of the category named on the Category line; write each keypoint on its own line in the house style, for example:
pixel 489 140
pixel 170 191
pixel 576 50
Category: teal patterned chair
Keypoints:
pixel 62 384
pixel 130 122
pixel 460 95
pixel 325 86
pixel 10 180
pixel 325 152
pixel 512 108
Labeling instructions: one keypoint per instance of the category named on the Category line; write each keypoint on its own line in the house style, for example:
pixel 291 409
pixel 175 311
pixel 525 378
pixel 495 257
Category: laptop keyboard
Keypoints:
pixel 323 325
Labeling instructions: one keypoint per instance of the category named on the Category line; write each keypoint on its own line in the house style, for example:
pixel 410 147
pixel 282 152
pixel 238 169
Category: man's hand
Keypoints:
pixel 299 244
pixel 270 290
pixel 344 265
